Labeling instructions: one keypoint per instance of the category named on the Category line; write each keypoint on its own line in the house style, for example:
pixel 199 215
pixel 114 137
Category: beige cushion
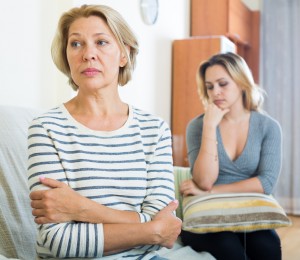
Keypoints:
pixel 232 212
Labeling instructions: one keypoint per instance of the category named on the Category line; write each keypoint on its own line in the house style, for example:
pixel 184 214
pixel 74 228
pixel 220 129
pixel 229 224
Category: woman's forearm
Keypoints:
pixel 119 237
pixel 163 230
pixel 81 240
pixel 249 185
pixel 61 204
pixel 206 167
pixel 93 212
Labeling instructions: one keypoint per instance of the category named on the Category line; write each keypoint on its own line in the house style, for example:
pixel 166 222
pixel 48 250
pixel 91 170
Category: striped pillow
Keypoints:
pixel 237 212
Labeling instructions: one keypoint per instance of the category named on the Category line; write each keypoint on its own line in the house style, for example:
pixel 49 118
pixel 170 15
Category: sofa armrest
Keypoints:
pixel 180 174
pixel 17 227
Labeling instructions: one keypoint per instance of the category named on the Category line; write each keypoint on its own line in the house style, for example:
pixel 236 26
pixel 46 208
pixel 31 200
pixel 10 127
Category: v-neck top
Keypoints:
pixel 260 157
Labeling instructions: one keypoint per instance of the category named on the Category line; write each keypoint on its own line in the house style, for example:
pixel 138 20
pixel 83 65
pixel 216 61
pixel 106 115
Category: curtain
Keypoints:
pixel 280 77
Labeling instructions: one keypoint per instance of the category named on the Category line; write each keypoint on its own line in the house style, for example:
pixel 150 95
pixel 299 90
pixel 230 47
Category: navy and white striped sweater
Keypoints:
pixel 126 169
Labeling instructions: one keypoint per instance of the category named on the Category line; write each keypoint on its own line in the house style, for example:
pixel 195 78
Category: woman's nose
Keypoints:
pixel 217 91
pixel 89 53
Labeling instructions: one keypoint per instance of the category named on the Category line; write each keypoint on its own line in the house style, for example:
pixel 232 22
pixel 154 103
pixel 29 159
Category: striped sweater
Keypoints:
pixel 126 169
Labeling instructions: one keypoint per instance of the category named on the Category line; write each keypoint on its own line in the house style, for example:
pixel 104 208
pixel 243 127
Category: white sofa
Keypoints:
pixel 17 228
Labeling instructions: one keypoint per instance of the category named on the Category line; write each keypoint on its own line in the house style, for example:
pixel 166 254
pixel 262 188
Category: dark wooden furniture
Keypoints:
pixel 216 25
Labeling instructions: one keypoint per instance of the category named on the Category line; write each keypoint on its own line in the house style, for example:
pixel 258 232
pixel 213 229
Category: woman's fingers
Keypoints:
pixel 51 182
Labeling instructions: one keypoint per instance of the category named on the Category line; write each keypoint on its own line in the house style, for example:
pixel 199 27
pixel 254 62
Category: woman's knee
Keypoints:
pixel 222 245
pixel 263 244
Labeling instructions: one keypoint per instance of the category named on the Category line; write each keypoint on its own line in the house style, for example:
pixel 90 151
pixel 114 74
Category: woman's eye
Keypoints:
pixel 101 42
pixel 222 84
pixel 209 87
pixel 75 44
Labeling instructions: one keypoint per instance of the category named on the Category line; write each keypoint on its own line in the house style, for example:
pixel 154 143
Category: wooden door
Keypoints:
pixel 186 104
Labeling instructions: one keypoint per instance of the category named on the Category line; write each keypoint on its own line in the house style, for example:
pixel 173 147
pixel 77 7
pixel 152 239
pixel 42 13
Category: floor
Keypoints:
pixel 290 240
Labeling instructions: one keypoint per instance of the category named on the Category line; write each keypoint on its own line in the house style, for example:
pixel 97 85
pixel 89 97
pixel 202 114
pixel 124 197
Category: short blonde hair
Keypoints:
pixel 240 73
pixel 119 27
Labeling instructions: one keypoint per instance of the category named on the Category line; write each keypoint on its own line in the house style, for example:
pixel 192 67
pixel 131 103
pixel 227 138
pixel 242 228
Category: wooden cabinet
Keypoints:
pixel 186 104
pixel 232 19
pixel 221 17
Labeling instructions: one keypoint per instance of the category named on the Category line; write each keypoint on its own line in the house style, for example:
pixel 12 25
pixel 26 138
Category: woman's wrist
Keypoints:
pixel 84 212
pixel 153 230
pixel 209 131
pixel 208 123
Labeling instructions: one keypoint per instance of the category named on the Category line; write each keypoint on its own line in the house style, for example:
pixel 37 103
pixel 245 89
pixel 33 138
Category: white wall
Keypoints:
pixel 29 78
pixel 253 5
pixel 27 75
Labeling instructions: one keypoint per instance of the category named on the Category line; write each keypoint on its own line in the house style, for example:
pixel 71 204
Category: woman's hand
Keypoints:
pixel 56 205
pixel 167 225
pixel 189 188
pixel 214 114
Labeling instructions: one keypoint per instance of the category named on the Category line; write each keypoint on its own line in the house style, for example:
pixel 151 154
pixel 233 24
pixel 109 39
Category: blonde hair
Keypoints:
pixel 240 73
pixel 119 27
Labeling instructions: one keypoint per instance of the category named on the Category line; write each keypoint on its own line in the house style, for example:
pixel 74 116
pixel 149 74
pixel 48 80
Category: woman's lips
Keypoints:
pixel 218 102
pixel 90 72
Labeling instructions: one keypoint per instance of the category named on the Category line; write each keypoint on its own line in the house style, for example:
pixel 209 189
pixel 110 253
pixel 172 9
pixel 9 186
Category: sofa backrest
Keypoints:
pixel 17 228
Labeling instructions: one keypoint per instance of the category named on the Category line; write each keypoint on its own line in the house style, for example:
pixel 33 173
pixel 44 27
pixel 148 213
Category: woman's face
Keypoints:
pixel 93 54
pixel 221 89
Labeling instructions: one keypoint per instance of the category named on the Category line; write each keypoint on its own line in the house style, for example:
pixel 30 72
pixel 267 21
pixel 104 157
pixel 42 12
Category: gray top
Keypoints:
pixel 261 156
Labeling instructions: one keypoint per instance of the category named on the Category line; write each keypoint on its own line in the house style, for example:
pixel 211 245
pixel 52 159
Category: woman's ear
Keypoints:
pixel 124 56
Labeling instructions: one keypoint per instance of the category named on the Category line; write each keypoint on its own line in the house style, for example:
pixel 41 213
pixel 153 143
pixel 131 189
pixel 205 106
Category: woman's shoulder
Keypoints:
pixel 194 127
pixel 196 121
pixel 265 118
pixel 53 114
pixel 265 122
pixel 143 116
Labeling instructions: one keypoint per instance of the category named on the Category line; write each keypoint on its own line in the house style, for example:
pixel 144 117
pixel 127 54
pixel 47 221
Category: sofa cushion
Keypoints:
pixel 232 212
pixel 17 228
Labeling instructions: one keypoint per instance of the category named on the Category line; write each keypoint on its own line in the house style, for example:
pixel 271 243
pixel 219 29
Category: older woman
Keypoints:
pixel 100 170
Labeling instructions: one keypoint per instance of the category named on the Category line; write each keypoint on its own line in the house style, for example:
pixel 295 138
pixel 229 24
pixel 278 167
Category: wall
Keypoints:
pixel 253 5
pixel 29 78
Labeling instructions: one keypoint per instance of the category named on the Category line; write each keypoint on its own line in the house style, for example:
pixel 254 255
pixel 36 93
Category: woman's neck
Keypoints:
pixel 97 105
pixel 237 116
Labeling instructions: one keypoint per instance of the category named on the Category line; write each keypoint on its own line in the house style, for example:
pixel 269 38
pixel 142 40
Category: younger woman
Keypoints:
pixel 233 147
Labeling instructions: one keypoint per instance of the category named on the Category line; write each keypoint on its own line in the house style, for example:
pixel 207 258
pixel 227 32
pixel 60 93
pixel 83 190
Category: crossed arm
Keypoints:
pixel 62 204
pixel 72 225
